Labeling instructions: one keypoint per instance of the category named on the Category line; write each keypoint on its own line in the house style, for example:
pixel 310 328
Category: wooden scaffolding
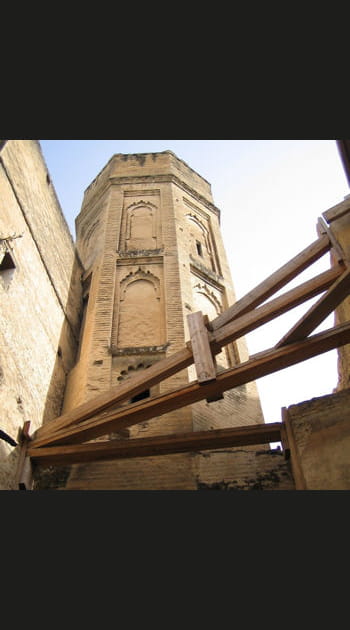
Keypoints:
pixel 67 439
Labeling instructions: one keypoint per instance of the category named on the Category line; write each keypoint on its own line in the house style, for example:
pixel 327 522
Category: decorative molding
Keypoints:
pixel 141 202
pixel 200 270
pixel 118 352
pixel 201 287
pixel 163 179
pixel 195 209
pixel 140 274
pixel 143 193
pixel 127 255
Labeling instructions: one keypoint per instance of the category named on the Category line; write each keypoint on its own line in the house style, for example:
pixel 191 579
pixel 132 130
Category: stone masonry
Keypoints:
pixel 40 291
pixel 148 235
pixel 75 322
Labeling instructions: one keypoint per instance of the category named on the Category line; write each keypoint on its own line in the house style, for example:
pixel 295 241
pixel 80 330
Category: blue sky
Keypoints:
pixel 270 194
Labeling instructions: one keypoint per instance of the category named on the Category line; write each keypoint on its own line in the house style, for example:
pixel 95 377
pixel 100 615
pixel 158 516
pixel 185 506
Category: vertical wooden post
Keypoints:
pixel 203 358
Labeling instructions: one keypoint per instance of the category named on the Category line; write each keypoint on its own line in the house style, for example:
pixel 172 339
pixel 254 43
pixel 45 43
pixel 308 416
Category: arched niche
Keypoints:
pixel 201 247
pixel 140 311
pixel 141 226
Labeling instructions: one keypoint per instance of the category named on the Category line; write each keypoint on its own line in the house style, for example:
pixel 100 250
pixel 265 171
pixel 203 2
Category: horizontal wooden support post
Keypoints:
pixel 157 445
pixel 256 367
pixel 273 283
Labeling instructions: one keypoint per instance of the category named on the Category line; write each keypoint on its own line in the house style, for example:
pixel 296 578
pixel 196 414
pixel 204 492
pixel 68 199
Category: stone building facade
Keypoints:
pixel 148 236
pixel 40 298
pixel 78 320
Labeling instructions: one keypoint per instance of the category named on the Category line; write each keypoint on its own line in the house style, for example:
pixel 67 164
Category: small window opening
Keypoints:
pixel 140 396
pixel 199 248
pixel 7 262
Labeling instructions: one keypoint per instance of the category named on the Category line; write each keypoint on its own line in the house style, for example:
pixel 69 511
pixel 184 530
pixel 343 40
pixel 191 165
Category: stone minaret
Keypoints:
pixel 148 236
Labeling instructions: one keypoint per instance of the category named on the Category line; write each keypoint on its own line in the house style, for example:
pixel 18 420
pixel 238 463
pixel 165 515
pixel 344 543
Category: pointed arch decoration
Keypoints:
pixel 201 246
pixel 140 310
pixel 141 226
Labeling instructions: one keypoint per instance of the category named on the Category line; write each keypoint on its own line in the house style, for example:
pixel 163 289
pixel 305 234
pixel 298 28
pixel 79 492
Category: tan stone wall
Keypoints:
pixel 243 469
pixel 235 469
pixel 39 298
pixel 321 431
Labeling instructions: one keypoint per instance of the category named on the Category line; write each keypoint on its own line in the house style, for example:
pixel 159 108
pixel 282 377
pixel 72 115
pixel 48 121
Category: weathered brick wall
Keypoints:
pixel 321 432
pixel 231 469
pixel 170 201
pixel 39 298
pixel 243 469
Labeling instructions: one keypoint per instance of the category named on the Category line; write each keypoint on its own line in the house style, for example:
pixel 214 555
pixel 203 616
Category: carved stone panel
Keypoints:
pixel 141 228
pixel 139 309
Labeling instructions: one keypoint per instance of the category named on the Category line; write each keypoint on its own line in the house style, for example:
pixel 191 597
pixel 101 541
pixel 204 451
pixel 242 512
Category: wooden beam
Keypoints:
pixel 322 228
pixel 319 311
pixel 274 282
pixel 202 354
pixel 157 445
pixel 183 358
pixel 256 367
pixel 265 313
pixel 131 387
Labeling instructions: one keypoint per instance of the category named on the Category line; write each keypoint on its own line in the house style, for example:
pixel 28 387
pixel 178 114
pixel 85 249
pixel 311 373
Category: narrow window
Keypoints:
pixel 199 249
pixel 7 262
pixel 140 396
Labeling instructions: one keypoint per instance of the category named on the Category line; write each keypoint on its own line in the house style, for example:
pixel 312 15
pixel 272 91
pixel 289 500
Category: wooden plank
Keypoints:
pixel 183 358
pixel 157 445
pixel 256 367
pixel 131 387
pixel 297 472
pixel 278 306
pixel 322 228
pixel 202 354
pixel 319 311
pixel 274 282
pixel 179 360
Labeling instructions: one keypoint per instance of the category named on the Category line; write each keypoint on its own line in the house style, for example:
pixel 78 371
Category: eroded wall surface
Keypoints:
pixel 321 431
pixel 149 238
pixel 40 291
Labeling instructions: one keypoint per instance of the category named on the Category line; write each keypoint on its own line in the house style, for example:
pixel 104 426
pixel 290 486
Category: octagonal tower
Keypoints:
pixel 149 238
